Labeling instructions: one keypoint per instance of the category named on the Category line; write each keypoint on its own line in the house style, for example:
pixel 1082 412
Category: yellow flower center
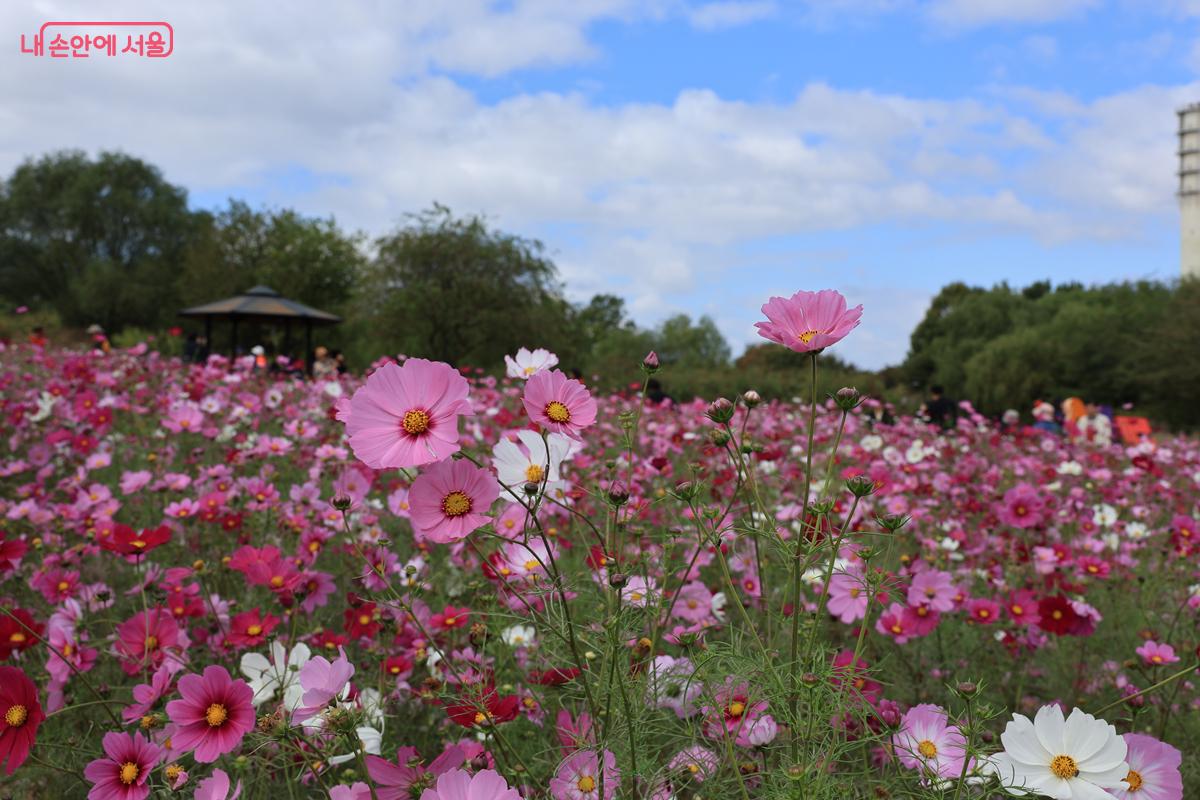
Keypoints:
pixel 736 708
pixel 151 642
pixel 17 638
pixel 1056 614
pixel 138 543
pixel 534 474
pixel 451 620
pixel 172 771
pixel 216 715
pixel 927 748
pixel 277 581
pixel 254 630
pixel 129 772
pixel 531 565
pixel 855 591
pixel 693 767
pixel 415 422
pixel 364 619
pixel 63 586
pixel 67 650
pixel 1064 767
pixel 807 336
pixel 529 370
pixel 1018 610
pixel 586 783
pixel 1134 779
pixel 16 716
pixel 456 504
pixel 557 412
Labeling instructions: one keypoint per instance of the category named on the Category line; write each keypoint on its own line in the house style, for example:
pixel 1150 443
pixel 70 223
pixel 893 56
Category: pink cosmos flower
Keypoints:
pixel 559 404
pixel 1022 507
pixel 405 416
pixel 848 597
pixel 926 741
pixel 808 321
pixel 145 695
pixel 322 681
pixel 216 787
pixel 934 589
pixel 459 784
pixel 1154 654
pixel 984 611
pixel 356 791
pixel 214 714
pixel 396 781
pixel 451 499
pixel 1153 770
pixel 122 773
pixel 578 777
pixel 145 640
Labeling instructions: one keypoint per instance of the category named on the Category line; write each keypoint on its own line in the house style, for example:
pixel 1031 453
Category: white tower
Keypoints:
pixel 1189 190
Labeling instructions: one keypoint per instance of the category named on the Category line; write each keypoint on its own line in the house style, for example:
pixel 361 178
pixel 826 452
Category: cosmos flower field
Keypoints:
pixel 437 584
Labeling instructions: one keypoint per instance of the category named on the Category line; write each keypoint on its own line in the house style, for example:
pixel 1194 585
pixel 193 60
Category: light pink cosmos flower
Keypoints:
pixel 1154 654
pixel 451 499
pixel 405 416
pixel 1153 770
pixel 216 787
pixel 934 589
pixel 323 681
pixel 848 597
pixel 214 714
pixel 529 362
pixel 356 791
pixel 578 777
pixel 122 773
pixel 559 404
pixel 808 321
pixel 459 784
pixel 927 741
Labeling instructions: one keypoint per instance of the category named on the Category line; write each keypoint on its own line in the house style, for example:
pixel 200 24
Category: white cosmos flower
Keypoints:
pixel 280 674
pixel 1073 759
pixel 371 740
pixel 519 636
pixel 517 465
pixel 527 364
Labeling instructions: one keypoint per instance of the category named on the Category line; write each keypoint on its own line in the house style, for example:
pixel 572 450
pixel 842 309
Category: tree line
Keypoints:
pixel 109 241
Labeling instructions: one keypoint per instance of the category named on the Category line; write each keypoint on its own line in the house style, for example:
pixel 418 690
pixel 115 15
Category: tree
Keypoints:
pixel 681 343
pixel 306 258
pixel 97 241
pixel 455 290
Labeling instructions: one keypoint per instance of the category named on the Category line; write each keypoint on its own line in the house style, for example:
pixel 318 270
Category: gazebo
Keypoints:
pixel 265 305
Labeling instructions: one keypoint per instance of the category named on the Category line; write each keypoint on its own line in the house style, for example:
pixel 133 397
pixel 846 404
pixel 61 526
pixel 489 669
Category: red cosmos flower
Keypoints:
pixel 984 611
pixel 361 622
pixel 11 551
pixel 126 541
pixel 1056 615
pixel 17 636
pixel 397 666
pixel 484 707
pixel 143 639
pixel 556 676
pixel 250 628
pixel 848 669
pixel 22 716
pixel 329 641
pixel 450 618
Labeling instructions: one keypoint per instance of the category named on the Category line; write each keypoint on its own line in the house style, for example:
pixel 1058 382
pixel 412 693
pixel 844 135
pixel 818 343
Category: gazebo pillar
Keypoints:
pixel 308 348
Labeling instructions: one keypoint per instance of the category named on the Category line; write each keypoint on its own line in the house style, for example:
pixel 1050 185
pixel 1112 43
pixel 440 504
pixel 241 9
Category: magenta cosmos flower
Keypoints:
pixel 559 404
pixel 451 499
pixel 405 416
pixel 122 773
pixel 578 777
pixel 927 742
pixel 808 321
pixel 459 784
pixel 1153 770
pixel 214 714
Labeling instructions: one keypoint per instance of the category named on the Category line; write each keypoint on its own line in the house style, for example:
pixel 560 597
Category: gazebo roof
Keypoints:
pixel 262 304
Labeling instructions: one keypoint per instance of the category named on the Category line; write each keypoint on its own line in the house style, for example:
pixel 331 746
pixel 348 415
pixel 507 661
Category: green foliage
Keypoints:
pixel 1113 344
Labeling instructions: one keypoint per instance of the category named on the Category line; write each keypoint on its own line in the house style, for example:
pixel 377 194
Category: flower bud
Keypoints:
pixel 720 410
pixel 751 398
pixel 650 363
pixel 892 522
pixel 848 398
pixel 967 689
pixel 618 495
pixel 618 580
pixel 719 437
pixel 860 486
pixel 341 502
pixel 531 488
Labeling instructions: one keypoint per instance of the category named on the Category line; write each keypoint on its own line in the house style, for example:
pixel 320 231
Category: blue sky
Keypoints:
pixel 690 156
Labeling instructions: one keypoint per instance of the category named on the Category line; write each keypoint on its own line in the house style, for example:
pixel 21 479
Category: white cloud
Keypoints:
pixel 713 16
pixel 974 13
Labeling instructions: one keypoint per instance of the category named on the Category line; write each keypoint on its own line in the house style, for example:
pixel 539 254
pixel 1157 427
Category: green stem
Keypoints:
pixel 793 651
pixel 1159 685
